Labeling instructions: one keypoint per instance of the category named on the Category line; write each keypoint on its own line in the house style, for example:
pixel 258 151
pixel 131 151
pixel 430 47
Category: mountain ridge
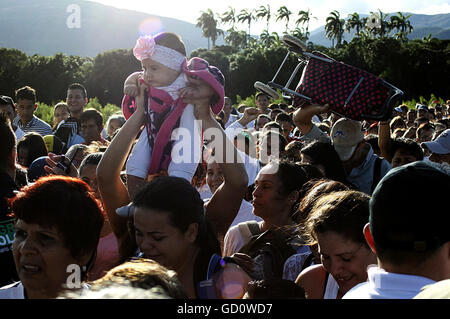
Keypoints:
pixel 41 27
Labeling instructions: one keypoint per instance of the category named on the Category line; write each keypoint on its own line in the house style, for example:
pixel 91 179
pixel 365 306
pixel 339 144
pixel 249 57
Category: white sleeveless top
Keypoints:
pixel 331 288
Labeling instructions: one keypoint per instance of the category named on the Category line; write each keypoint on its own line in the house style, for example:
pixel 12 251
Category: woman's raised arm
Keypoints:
pixel 226 201
pixel 113 191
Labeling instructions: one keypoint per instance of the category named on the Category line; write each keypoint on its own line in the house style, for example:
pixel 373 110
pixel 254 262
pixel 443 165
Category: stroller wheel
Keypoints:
pixel 294 42
pixel 267 90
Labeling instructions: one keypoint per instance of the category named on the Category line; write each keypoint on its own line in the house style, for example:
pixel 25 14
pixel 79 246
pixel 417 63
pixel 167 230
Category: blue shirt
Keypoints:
pixel 362 176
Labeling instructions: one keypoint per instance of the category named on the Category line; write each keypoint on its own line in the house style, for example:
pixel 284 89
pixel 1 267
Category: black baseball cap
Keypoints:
pixel 6 100
pixel 408 209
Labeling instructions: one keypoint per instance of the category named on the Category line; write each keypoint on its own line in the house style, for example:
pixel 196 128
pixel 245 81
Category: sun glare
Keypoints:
pixel 151 25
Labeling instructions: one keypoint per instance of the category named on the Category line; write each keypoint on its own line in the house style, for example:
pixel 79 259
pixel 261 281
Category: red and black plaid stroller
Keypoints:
pixel 349 91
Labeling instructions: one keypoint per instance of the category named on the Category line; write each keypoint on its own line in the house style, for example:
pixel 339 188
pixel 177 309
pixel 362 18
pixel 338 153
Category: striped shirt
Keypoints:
pixel 35 125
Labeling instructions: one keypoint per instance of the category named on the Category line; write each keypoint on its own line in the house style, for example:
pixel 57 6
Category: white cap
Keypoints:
pixel 441 145
pixel 346 134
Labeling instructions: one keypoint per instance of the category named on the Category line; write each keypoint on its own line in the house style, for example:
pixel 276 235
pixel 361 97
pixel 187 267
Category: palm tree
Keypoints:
pixel 268 39
pixel 304 18
pixel 354 22
pixel 385 25
pixel 246 15
pixel 334 28
pixel 208 24
pixel 364 32
pixel 284 13
pixel 229 17
pixel 402 24
pixel 299 33
pixel 236 39
pixel 264 12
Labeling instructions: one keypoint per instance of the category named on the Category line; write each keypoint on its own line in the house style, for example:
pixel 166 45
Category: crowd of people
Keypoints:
pixel 184 194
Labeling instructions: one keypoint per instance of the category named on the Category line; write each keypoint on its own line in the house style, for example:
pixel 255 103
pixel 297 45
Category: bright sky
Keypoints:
pixel 190 10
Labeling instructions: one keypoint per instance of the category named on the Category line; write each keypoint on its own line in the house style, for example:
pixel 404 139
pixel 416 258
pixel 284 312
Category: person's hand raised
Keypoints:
pixel 250 114
pixel 304 114
pixel 244 261
pixel 60 165
pixel 130 89
pixel 131 85
pixel 140 97
pixel 199 93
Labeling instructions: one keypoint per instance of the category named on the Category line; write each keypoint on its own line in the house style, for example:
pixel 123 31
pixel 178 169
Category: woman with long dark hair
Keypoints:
pixel 171 223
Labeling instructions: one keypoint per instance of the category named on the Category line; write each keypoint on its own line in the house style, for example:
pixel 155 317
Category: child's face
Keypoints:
pixel 61 113
pixel 158 75
pixel 113 126
pixel 26 109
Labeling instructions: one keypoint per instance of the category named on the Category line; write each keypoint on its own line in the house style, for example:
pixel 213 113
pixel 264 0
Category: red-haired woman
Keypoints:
pixel 57 229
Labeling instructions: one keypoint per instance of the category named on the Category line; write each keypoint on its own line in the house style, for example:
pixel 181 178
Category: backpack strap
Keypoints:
pixel 249 229
pixel 376 174
pixel 213 265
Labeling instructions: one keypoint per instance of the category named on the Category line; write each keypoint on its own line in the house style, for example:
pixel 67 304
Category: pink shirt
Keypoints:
pixel 107 256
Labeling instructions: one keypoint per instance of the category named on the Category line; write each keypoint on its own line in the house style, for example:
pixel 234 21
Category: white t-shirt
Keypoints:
pixel 331 288
pixel 385 285
pixel 233 118
pixel 244 214
pixel 12 291
pixel 234 240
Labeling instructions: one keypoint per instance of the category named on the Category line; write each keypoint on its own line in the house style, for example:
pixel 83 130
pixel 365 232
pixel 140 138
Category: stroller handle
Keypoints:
pixel 388 104
pixel 288 91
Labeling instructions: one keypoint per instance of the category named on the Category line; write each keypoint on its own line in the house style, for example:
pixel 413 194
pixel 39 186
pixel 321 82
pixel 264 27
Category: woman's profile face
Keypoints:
pixel 345 259
pixel 214 176
pixel 42 259
pixel 267 199
pixel 157 239
pixel 89 176
pixel 22 156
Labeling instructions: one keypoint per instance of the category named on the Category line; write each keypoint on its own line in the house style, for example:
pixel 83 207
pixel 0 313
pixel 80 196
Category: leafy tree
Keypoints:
pixel 264 12
pixel 108 73
pixel 354 23
pixel 402 24
pixel 44 112
pixel 51 75
pixel 246 15
pixel 299 33
pixel 284 13
pixel 218 57
pixel 334 28
pixel 237 39
pixel 232 35
pixel 304 19
pixel 13 63
pixel 229 17
pixel 268 39
pixel 208 24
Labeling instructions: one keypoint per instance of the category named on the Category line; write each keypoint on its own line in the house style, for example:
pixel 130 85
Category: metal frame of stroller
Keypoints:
pixel 298 47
